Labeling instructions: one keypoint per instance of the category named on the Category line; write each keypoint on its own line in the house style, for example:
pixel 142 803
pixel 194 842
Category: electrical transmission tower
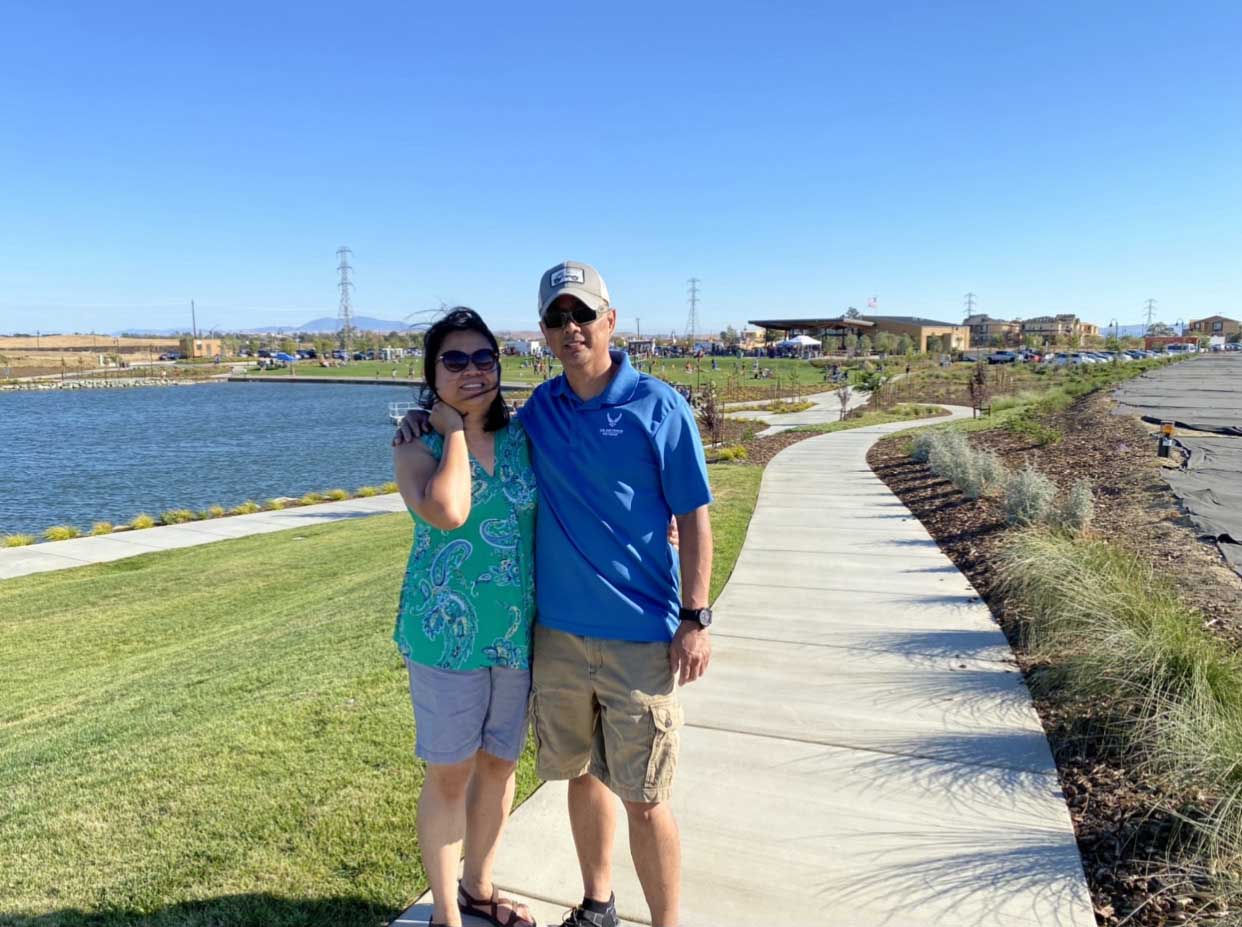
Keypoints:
pixel 1151 312
pixel 970 303
pixel 346 312
pixel 692 323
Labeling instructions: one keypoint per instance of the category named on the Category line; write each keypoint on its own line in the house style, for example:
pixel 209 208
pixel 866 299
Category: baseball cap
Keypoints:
pixel 579 280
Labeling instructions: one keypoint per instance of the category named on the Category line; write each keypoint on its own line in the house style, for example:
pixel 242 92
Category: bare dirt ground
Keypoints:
pixel 1122 832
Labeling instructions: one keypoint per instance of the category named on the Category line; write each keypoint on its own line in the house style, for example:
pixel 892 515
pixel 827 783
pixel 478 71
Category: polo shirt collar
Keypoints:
pixel 620 388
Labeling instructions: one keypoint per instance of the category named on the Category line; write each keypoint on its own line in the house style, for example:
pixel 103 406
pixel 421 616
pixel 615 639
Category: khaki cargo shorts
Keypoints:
pixel 608 708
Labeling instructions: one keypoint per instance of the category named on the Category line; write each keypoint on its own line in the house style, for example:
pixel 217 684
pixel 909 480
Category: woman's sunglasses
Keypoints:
pixel 483 359
pixel 582 315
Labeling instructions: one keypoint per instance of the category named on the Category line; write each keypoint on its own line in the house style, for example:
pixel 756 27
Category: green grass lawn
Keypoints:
pixel 222 735
pixel 729 372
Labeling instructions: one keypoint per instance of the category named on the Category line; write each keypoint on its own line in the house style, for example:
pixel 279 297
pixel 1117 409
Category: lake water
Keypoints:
pixel 75 457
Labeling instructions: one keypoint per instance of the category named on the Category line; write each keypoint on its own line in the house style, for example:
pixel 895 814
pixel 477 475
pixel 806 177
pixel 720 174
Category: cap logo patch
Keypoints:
pixel 568 275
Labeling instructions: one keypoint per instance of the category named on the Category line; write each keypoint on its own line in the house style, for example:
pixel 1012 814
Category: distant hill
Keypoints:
pixel 332 324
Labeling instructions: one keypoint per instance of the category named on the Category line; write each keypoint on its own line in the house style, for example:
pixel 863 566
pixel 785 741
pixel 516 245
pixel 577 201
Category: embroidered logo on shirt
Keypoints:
pixel 612 431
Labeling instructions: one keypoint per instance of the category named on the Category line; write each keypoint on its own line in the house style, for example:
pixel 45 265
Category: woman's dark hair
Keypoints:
pixel 462 319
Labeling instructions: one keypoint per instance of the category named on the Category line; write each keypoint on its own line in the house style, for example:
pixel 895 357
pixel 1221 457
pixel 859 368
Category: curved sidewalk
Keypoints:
pixel 863 750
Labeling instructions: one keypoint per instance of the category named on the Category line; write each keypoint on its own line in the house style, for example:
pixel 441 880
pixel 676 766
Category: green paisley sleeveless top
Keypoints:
pixel 468 600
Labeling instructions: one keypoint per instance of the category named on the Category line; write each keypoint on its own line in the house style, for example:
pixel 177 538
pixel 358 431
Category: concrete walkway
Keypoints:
pixel 826 409
pixel 863 750
pixel 62 555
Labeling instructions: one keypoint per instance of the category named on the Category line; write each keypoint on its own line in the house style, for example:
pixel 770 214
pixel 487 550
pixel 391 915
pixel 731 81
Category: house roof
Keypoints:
pixel 913 320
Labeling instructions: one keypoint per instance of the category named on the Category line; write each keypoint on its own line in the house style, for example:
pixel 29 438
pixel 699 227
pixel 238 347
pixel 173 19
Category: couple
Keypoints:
pixel 541 567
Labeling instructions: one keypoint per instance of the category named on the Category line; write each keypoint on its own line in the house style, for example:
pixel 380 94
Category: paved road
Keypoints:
pixel 863 751
pixel 1203 397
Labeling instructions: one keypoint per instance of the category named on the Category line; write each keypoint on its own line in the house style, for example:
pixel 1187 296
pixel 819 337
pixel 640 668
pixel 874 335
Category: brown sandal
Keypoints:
pixel 479 907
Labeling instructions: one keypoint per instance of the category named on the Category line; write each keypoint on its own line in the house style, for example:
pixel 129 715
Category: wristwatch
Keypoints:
pixel 702 615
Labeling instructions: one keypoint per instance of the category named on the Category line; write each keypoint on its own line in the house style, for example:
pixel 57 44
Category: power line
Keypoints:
pixel 1151 312
pixel 692 323
pixel 346 312
pixel 970 303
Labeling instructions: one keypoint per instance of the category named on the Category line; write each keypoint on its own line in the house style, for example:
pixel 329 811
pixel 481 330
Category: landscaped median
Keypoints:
pixel 1126 624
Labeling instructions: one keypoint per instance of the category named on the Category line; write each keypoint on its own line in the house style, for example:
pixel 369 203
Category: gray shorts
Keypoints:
pixel 459 712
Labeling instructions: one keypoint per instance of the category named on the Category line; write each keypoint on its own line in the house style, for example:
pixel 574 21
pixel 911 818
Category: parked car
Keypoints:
pixel 1002 357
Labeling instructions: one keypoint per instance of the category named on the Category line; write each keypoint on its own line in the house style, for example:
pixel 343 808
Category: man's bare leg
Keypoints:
pixel 593 819
pixel 655 847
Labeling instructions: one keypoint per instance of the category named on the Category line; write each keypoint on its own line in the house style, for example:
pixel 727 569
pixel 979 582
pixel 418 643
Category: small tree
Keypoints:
pixel 711 414
pixel 844 392
pixel 980 392
pixel 864 346
pixel 905 345
pixel 934 344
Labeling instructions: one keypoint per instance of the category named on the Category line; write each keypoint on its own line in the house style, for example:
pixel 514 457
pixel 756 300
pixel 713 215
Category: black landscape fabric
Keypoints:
pixel 1203 397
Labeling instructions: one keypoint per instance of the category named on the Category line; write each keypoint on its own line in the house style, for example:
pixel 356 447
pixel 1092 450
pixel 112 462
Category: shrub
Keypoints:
pixel 732 452
pixel 61 533
pixel 177 516
pixel 923 444
pixel 274 505
pixel 141 520
pixel 337 495
pixel 991 471
pixel 245 508
pixel 18 540
pixel 101 527
pixel 388 487
pixel 984 475
pixel 1028 497
pixel 1076 509
pixel 311 498
pixel 950 457
pixel 367 491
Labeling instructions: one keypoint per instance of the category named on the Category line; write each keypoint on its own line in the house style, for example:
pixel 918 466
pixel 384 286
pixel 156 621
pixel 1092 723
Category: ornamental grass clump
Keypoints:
pixel 1076 509
pixel 388 487
pixel 215 511
pixel 245 508
pixel 61 533
pixel 177 516
pixel 311 498
pixel 274 505
pixel 100 528
pixel 366 492
pixel 1109 631
pixel 18 540
pixel 337 495
pixel 141 520
pixel 1028 497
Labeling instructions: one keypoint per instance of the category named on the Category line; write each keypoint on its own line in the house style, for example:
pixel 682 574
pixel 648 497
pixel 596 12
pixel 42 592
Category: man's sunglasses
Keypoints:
pixel 582 315
pixel 483 359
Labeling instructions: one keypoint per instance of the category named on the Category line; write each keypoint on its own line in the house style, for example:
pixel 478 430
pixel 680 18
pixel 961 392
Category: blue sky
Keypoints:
pixel 797 158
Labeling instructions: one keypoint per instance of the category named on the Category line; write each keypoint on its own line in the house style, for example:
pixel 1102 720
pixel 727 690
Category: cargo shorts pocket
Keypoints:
pixel 666 720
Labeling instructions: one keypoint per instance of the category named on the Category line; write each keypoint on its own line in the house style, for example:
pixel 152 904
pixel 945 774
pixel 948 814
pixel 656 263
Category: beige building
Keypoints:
pixel 984 330
pixel 1217 325
pixel 1064 325
pixel 200 347
pixel 953 337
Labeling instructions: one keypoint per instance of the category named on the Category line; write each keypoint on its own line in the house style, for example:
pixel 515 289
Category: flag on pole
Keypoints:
pixel 872 303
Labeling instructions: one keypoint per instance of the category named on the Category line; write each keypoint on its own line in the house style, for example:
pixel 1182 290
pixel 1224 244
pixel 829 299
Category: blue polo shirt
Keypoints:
pixel 611 471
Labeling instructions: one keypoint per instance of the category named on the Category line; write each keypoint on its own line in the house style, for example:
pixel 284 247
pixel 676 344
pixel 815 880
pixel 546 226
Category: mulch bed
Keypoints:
pixel 1123 832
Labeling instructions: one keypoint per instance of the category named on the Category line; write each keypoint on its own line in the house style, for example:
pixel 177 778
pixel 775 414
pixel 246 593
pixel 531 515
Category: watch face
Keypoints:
pixel 705 617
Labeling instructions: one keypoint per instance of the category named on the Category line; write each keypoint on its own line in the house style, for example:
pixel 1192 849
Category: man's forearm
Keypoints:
pixel 695 556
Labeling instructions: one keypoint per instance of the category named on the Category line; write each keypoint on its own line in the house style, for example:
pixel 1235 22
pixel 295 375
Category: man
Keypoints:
pixel 615 453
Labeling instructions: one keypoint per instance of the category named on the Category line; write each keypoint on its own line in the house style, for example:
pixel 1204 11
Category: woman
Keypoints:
pixel 467 607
